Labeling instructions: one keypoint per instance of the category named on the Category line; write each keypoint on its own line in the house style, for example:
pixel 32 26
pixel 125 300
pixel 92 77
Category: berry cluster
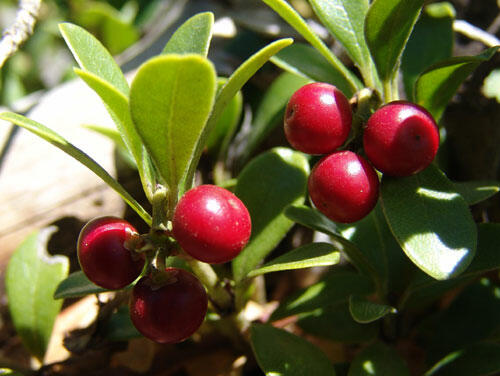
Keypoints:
pixel 399 139
pixel 210 223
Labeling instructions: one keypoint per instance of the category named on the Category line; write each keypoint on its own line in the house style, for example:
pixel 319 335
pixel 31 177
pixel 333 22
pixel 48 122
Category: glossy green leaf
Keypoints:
pixel 438 84
pixel 476 360
pixel 119 326
pixel 92 56
pixel 306 61
pixel 234 83
pixel 170 100
pixel 56 140
pixel 487 256
pixel 315 220
pixel 474 192
pixel 306 256
pixel 279 352
pixel 284 170
pixel 434 30
pixel 76 285
pixel 335 323
pixel 193 36
pixel 31 278
pixel 271 109
pixel 418 209
pixel 336 287
pixel 388 25
pixel 118 108
pixel 221 135
pixel 297 22
pixel 365 311
pixel 472 317
pixel 378 360
pixel 345 21
pixel 116 138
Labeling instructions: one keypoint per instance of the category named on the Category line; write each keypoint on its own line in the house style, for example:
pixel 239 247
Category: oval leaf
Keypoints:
pixel 92 56
pixel 438 84
pixel 334 288
pixel 170 100
pixel 306 61
pixel 58 141
pixel 307 256
pixel 76 285
pixel 388 25
pixel 279 352
pixel 378 360
pixel 193 36
pixel 345 21
pixel 119 327
pixel 418 209
pixel 267 185
pixel 31 278
pixel 365 311
pixel 474 192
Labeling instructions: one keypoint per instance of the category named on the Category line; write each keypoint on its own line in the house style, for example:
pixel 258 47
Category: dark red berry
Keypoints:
pixel 171 312
pixel 401 138
pixel 211 224
pixel 103 255
pixel 343 186
pixel 317 118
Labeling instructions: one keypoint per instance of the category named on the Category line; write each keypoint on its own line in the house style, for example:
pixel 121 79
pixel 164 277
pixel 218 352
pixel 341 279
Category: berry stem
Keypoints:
pixel 206 274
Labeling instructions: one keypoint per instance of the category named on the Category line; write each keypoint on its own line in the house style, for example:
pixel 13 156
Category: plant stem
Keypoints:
pixel 387 86
pixel 218 294
pixel 160 208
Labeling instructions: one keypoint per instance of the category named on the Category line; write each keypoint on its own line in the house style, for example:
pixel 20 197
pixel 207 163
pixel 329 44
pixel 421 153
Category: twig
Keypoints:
pixel 22 28
pixel 475 33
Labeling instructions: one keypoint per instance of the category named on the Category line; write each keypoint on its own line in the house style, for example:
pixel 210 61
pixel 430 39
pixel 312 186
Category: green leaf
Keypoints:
pixel 437 85
pixel 267 185
pixel 418 209
pixel 170 100
pixel 270 111
pixel 487 256
pixel 336 287
pixel 304 60
pixel 56 140
pixel 92 56
pixel 388 25
pixel 306 256
pixel 234 83
pixel 476 360
pixel 335 323
pixel 193 36
pixel 491 85
pixel 119 327
pixel 297 22
pixel 380 360
pixel 365 311
pixel 118 108
pixel 76 285
pixel 315 220
pixel 279 352
pixel 31 278
pixel 474 192
pixel 434 30
pixel 345 21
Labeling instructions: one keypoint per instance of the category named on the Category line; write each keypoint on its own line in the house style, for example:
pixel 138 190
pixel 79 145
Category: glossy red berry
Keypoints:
pixel 169 313
pixel 103 256
pixel 318 118
pixel 343 186
pixel 211 224
pixel 401 138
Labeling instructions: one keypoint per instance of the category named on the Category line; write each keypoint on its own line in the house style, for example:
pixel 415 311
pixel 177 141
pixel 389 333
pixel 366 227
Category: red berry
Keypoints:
pixel 211 224
pixel 401 138
pixel 343 186
pixel 172 312
pixel 103 256
pixel 317 118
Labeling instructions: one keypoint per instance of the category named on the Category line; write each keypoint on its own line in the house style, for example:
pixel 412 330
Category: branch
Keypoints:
pixel 475 33
pixel 22 28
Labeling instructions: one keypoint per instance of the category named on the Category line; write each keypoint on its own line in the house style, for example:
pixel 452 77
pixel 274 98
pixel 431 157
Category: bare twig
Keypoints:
pixel 22 28
pixel 475 33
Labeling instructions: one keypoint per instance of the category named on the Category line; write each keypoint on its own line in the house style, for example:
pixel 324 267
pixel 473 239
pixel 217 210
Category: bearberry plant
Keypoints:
pixel 363 191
